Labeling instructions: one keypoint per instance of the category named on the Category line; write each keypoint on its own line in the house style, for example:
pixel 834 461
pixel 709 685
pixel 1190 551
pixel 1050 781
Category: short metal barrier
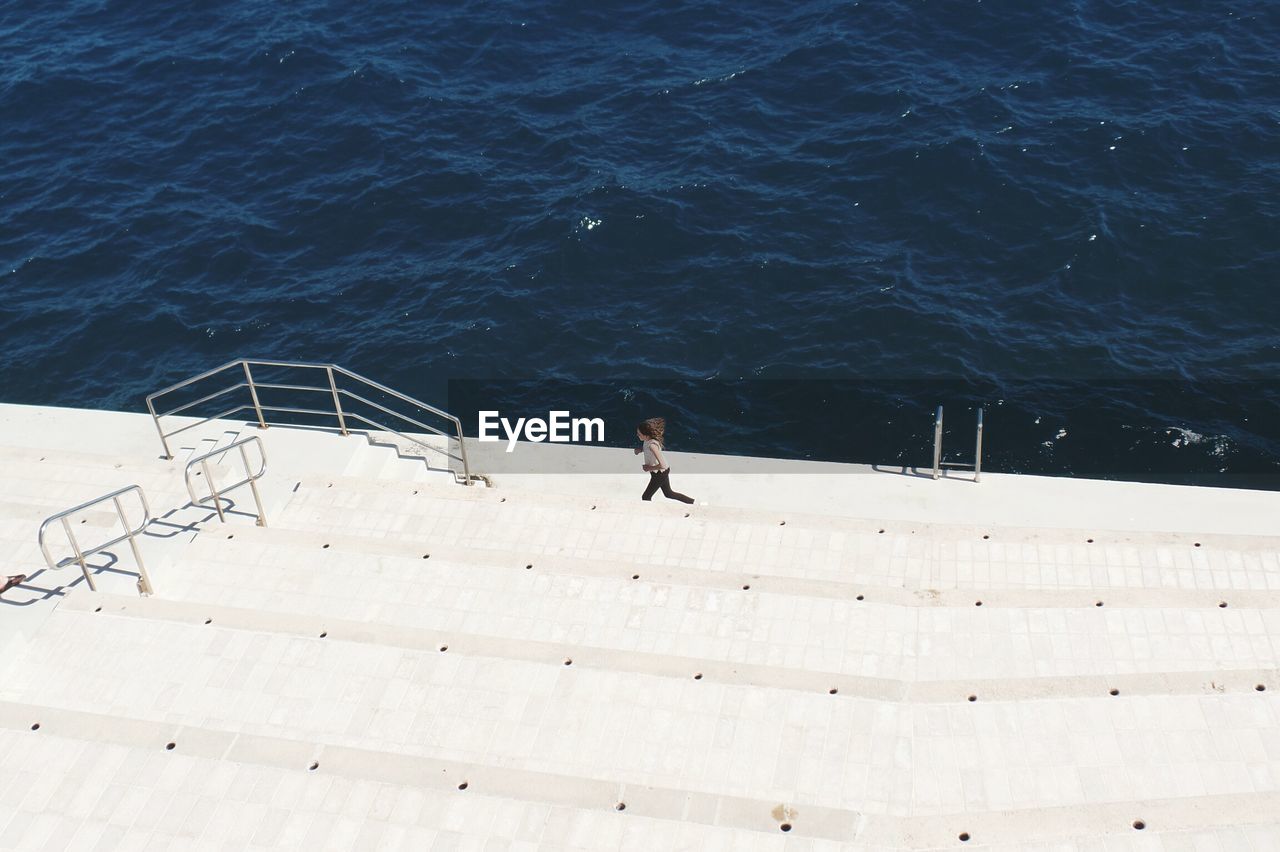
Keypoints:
pixel 251 477
pixel 82 554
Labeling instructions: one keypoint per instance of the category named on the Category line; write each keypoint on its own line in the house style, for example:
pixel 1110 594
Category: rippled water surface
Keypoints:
pixel 1067 212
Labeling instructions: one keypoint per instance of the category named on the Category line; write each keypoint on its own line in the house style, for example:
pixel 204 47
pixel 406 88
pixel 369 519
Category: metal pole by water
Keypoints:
pixel 937 443
pixel 337 405
pixel 977 451
pixel 164 442
pixel 253 392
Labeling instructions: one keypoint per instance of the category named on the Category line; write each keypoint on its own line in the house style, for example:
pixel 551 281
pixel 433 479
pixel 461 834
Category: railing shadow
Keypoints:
pixel 45 593
pixel 175 529
pixel 903 470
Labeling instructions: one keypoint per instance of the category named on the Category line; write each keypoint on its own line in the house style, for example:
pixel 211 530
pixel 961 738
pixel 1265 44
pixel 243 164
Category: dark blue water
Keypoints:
pixel 1036 206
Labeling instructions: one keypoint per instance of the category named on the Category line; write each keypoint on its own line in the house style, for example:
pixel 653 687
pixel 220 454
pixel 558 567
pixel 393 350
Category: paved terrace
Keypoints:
pixel 812 658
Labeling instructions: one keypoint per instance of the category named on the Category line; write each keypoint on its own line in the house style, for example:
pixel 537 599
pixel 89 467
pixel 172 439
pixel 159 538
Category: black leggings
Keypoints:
pixel 662 479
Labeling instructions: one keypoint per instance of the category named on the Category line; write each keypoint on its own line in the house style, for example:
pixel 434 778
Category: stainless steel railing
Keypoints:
pixel 332 390
pixel 251 477
pixel 939 464
pixel 82 554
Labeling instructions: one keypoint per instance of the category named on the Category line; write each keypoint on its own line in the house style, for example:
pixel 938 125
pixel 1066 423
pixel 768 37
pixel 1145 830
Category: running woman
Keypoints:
pixel 650 434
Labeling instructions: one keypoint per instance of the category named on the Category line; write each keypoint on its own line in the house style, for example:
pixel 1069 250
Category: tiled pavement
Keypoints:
pixel 629 665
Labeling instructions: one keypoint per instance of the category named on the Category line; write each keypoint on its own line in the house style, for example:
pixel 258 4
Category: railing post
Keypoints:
pixel 213 490
pixel 144 582
pixel 337 405
pixel 164 442
pixel 253 485
pixel 977 451
pixel 937 443
pixel 462 449
pixel 253 392
pixel 84 567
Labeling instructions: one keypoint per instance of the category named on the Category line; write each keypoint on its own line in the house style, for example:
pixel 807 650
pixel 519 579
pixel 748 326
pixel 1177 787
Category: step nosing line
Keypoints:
pixel 704 670
pixel 345 545
pixel 1057 823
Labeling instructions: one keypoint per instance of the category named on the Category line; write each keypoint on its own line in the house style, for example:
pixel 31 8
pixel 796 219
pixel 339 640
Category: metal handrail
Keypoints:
pixel 250 477
pixel 330 389
pixel 939 464
pixel 81 555
pixel 937 443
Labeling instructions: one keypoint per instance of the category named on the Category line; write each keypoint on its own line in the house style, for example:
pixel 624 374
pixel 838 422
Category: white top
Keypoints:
pixel 653 454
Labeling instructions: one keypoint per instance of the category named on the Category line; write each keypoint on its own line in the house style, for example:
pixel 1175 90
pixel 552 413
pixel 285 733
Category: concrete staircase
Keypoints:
pixel 399 662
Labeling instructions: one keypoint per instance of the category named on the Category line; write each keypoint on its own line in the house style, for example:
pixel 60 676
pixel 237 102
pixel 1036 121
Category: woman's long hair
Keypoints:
pixel 653 428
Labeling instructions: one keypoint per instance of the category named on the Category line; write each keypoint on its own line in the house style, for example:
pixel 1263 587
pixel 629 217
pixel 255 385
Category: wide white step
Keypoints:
pixel 838 552
pixel 88 781
pixel 822 627
pixel 495 704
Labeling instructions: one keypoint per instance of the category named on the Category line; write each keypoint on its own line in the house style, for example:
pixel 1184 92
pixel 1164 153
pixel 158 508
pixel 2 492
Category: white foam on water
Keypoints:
pixel 1219 445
